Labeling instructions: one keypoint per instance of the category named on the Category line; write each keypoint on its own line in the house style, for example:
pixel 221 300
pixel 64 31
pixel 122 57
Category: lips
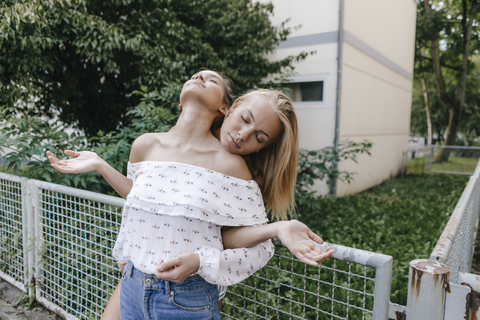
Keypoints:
pixel 232 141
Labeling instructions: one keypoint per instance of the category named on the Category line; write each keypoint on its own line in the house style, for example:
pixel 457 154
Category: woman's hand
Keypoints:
pixel 121 267
pixel 179 268
pixel 83 161
pixel 301 241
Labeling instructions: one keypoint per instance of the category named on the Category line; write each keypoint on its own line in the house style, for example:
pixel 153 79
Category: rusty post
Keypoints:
pixel 427 285
pixel 473 303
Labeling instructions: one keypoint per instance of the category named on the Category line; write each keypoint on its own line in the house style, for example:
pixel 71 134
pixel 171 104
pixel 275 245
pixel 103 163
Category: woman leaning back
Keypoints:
pixel 256 128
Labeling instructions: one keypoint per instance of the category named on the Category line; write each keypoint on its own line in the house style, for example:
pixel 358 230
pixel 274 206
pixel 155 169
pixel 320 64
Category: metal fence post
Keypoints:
pixel 427 286
pixel 28 233
pixel 25 226
pixel 37 236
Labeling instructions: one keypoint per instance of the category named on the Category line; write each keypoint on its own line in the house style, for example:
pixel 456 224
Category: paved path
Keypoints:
pixel 10 310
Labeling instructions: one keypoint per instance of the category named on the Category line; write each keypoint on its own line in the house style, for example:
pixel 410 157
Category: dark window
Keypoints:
pixel 305 91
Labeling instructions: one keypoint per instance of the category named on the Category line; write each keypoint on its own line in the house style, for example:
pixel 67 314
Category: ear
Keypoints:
pixel 230 110
pixel 179 106
pixel 224 109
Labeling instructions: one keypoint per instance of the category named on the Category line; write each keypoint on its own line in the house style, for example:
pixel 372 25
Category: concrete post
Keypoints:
pixel 427 285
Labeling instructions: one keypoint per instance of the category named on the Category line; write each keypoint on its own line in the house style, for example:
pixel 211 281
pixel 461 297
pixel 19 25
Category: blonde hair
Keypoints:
pixel 275 167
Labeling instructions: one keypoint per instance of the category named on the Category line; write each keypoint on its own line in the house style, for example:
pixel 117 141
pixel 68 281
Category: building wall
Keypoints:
pixel 316 17
pixel 377 87
pixel 376 84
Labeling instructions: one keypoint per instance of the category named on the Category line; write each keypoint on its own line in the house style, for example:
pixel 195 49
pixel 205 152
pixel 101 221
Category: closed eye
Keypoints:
pixel 244 120
pixel 258 139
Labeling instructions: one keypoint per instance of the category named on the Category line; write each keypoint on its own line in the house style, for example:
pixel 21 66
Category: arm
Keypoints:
pixel 112 310
pixel 225 267
pixel 87 161
pixel 293 234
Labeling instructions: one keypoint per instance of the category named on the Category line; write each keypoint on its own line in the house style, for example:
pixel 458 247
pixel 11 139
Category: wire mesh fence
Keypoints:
pixel 441 159
pixel 76 269
pixel 12 253
pixel 456 244
pixel 75 273
pixel 288 289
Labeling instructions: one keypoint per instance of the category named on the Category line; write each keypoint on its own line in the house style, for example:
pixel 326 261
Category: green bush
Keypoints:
pixel 402 218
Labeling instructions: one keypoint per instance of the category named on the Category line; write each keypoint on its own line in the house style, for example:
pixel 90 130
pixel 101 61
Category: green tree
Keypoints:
pixel 82 59
pixel 445 30
pixel 438 113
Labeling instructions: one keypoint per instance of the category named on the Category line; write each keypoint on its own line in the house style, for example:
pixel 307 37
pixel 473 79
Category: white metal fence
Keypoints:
pixel 443 283
pixel 55 242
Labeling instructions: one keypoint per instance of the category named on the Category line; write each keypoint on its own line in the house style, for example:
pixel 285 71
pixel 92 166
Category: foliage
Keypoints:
pixel 446 34
pixel 319 165
pixel 25 141
pixel 81 59
pixel 401 217
pixel 470 118
pixel 438 113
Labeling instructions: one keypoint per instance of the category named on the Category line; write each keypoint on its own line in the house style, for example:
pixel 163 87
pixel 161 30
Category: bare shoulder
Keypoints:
pixel 235 166
pixel 143 145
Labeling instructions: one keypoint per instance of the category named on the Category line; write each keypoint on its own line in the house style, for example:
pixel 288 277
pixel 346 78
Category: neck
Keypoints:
pixel 194 123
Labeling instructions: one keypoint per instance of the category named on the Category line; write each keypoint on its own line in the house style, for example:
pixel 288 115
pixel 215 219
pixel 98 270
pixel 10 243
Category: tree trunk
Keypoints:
pixel 452 130
pixel 427 111
pixel 454 107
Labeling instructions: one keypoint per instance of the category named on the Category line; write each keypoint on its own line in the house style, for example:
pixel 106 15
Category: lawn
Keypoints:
pixel 400 217
pixel 456 163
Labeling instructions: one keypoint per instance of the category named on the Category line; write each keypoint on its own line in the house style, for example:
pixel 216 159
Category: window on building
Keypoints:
pixel 305 91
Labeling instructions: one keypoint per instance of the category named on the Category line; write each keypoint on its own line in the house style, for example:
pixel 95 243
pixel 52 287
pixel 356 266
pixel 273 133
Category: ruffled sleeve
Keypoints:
pixel 229 267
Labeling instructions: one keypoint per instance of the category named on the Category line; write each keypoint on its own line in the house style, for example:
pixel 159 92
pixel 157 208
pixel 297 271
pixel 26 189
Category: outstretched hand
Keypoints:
pixel 81 161
pixel 179 268
pixel 302 242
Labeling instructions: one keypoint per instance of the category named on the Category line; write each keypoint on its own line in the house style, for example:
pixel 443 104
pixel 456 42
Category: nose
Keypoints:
pixel 199 77
pixel 244 134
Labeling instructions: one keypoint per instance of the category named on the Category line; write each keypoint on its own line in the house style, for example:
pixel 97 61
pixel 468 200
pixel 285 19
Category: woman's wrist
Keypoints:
pixel 101 166
pixel 281 229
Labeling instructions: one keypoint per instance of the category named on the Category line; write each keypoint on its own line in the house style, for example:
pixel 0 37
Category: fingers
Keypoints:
pixel 166 265
pixel 71 153
pixel 314 257
pixel 315 237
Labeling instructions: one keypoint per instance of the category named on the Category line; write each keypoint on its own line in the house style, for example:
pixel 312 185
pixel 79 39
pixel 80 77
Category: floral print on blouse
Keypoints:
pixel 175 208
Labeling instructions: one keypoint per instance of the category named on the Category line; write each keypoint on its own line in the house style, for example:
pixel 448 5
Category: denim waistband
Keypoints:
pixel 150 281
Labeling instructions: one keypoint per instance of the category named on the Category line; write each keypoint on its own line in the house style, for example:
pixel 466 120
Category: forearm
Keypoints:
pixel 118 181
pixel 245 237
pixel 231 266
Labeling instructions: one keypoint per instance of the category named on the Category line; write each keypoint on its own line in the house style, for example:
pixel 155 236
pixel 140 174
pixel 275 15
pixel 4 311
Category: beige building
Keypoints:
pixel 358 84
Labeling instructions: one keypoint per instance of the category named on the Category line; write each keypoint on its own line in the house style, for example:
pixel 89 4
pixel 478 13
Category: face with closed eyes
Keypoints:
pixel 251 125
pixel 205 87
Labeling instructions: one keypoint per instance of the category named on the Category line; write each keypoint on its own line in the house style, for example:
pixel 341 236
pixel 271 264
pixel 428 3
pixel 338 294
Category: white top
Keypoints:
pixel 175 208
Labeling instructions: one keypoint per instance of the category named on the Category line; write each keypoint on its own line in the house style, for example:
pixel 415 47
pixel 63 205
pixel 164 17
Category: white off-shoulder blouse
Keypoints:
pixel 175 208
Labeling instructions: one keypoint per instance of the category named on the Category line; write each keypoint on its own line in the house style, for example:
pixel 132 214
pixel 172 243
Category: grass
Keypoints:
pixel 456 162
pixel 400 217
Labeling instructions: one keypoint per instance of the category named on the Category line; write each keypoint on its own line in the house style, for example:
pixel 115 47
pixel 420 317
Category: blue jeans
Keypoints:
pixel 144 296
